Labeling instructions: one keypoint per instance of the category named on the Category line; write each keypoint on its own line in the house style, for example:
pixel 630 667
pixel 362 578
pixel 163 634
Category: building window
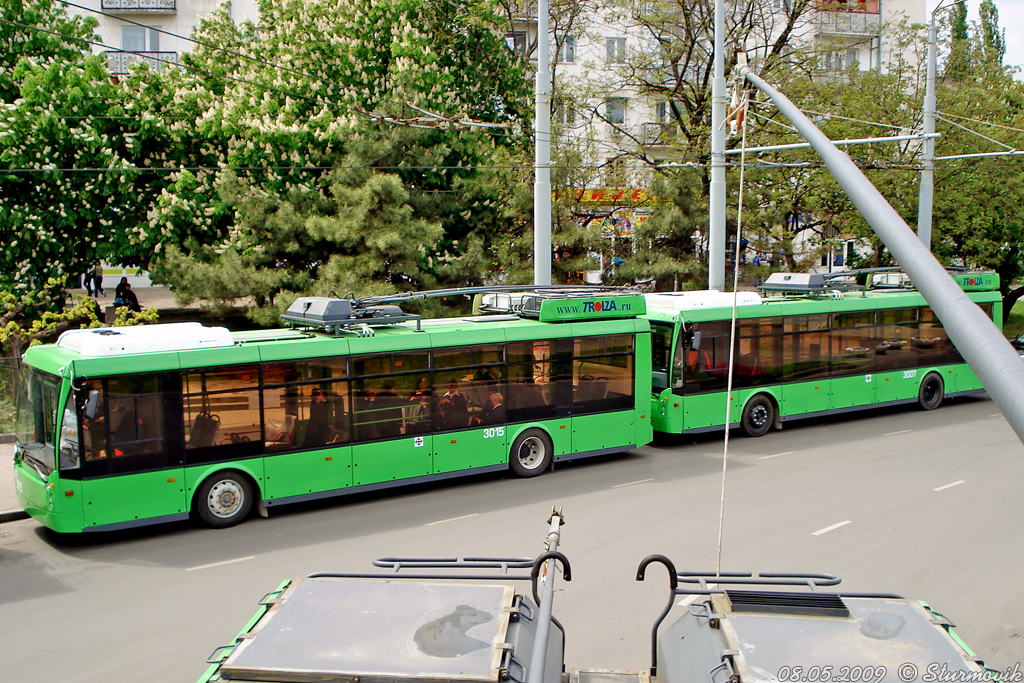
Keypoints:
pixel 662 112
pixel 841 60
pixel 516 42
pixel 615 110
pixel 569 50
pixel 615 173
pixel 134 39
pixel 564 113
pixel 616 50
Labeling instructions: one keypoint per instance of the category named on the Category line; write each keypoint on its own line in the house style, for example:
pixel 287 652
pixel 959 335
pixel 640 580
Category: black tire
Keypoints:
pixel 224 499
pixel 932 390
pixel 758 416
pixel 531 453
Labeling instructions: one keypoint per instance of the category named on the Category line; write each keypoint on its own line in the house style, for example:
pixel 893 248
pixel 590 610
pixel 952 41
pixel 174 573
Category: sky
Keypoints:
pixel 1011 18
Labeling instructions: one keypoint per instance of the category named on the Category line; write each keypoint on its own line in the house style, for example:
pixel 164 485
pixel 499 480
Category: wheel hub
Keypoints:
pixel 225 498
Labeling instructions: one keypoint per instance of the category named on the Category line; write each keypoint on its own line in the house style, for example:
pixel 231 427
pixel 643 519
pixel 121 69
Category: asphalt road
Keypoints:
pixel 928 505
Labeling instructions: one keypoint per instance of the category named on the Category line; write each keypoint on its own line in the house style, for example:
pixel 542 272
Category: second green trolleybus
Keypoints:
pixel 121 427
pixel 804 348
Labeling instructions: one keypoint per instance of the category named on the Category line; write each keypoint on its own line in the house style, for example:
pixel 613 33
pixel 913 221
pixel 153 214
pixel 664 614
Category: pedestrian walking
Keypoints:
pixel 97 279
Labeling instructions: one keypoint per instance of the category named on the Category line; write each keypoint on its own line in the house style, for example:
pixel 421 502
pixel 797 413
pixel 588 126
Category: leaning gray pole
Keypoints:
pixel 926 192
pixel 979 341
pixel 538 659
pixel 542 165
pixel 716 191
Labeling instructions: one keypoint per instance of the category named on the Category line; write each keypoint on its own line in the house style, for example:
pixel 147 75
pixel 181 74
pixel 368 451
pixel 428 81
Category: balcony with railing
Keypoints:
pixel 118 62
pixel 848 17
pixel 147 6
pixel 659 134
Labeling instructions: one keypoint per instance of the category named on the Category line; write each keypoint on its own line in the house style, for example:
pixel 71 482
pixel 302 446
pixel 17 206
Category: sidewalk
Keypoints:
pixel 9 508
pixel 158 297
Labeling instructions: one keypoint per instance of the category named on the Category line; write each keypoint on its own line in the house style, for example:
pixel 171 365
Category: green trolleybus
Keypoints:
pixel 121 427
pixel 804 348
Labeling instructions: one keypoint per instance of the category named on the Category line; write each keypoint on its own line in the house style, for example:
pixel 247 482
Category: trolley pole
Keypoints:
pixel 547 597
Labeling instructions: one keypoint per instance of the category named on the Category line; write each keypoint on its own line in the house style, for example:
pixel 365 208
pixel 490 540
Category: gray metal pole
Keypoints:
pixel 535 673
pixel 716 191
pixel 976 337
pixel 926 191
pixel 542 164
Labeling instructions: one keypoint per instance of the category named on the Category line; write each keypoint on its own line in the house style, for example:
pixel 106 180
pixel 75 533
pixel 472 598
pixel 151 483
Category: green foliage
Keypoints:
pixel 991 39
pixel 360 178
pixel 958 61
pixel 69 146
pixel 61 41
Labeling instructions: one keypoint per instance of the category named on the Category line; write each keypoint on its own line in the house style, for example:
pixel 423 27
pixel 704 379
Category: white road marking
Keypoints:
pixel 766 457
pixel 949 486
pixel 827 529
pixel 630 483
pixel 220 564
pixel 996 415
pixel 452 519
pixel 904 431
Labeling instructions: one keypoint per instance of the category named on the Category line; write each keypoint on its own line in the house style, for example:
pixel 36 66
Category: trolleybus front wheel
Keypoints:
pixel 758 416
pixel 531 453
pixel 224 499
pixel 929 396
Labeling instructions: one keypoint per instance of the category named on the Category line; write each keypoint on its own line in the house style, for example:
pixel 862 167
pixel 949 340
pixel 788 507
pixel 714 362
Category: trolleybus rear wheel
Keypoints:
pixel 929 396
pixel 531 453
pixel 758 416
pixel 224 499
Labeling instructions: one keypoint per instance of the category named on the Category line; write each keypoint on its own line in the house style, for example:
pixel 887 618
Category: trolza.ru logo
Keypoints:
pixel 598 306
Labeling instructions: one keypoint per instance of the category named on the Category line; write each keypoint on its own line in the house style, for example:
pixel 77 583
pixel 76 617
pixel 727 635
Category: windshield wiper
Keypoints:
pixel 27 455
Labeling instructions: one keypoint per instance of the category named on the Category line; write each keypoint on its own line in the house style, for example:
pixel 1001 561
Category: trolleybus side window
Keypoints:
pixel 385 388
pixel 474 374
pixel 805 348
pixel 603 373
pixel 128 424
pixel 306 404
pixel 531 380
pixel 222 413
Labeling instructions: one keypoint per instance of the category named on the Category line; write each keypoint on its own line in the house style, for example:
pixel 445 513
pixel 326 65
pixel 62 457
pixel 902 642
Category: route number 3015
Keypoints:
pixel 494 432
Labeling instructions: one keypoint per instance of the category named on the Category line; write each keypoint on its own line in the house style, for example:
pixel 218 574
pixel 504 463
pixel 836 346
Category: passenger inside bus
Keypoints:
pixel 452 408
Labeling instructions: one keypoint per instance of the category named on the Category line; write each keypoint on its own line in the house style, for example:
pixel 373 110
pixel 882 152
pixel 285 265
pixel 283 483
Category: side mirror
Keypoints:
pixel 92 404
pixel 695 341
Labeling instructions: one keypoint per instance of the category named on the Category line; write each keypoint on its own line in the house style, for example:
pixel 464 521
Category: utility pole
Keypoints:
pixel 716 192
pixel 542 150
pixel 926 194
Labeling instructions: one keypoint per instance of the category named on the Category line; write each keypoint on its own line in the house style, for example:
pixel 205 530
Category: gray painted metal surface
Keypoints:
pixel 977 338
pixel 883 640
pixel 378 631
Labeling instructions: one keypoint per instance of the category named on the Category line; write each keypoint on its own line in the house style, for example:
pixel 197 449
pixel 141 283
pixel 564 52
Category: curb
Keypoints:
pixel 12 516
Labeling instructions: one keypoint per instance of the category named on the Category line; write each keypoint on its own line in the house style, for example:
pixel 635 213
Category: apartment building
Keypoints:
pixel 625 131
pixel 155 31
